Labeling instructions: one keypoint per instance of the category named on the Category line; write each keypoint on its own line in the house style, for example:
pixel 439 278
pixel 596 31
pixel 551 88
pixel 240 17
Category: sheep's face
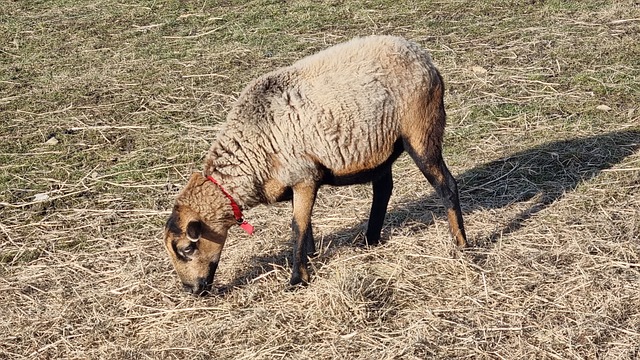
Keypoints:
pixel 194 248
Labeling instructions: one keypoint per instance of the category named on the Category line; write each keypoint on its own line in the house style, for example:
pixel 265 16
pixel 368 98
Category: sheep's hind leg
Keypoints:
pixel 304 196
pixel 382 188
pixel 435 170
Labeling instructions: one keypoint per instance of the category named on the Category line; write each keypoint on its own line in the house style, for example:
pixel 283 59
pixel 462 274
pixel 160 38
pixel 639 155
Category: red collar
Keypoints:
pixel 237 213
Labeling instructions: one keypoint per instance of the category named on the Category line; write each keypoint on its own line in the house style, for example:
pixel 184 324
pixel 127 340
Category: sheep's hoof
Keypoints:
pixel 300 277
pixel 371 241
pixel 365 241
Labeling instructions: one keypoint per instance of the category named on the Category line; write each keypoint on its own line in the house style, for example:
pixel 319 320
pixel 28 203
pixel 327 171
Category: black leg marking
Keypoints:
pixel 304 196
pixel 301 239
pixel 382 188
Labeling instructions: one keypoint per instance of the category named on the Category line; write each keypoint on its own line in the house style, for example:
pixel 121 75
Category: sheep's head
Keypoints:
pixel 194 238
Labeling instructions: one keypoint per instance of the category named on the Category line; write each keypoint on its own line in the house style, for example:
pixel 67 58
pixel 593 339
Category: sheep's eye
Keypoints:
pixel 189 250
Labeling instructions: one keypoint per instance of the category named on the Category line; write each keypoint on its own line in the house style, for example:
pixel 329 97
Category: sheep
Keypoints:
pixel 339 117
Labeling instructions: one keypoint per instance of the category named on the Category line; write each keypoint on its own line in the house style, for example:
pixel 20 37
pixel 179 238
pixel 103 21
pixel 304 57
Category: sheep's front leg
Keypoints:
pixel 304 196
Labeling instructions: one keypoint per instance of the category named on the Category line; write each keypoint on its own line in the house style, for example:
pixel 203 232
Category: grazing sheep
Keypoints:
pixel 339 117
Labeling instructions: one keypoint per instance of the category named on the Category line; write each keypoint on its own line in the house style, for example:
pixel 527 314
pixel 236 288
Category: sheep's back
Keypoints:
pixel 346 103
pixel 341 108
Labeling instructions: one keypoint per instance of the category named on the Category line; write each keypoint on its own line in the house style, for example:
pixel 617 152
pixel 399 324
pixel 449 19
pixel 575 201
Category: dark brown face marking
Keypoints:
pixel 173 224
pixel 179 254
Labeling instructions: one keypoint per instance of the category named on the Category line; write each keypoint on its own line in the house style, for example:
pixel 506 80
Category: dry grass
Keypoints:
pixel 106 107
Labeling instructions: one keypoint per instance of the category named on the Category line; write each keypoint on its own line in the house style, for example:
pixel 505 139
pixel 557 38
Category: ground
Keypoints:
pixel 107 106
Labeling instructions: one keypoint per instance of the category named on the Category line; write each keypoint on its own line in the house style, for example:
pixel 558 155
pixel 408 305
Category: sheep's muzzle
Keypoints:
pixel 203 285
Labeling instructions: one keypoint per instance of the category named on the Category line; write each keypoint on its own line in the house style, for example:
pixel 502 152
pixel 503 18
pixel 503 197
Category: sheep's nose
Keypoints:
pixel 188 288
pixel 200 288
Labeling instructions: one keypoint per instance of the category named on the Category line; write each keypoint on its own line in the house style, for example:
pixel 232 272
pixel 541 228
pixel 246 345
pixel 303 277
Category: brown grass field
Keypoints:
pixel 107 106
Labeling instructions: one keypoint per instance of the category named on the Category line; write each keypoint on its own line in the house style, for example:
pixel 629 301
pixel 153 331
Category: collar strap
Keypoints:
pixel 237 213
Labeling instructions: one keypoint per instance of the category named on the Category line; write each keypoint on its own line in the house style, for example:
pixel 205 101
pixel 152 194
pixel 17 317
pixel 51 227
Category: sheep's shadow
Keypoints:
pixel 542 174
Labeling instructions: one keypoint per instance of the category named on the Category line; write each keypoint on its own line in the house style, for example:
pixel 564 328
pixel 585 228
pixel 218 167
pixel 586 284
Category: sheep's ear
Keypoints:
pixel 194 229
